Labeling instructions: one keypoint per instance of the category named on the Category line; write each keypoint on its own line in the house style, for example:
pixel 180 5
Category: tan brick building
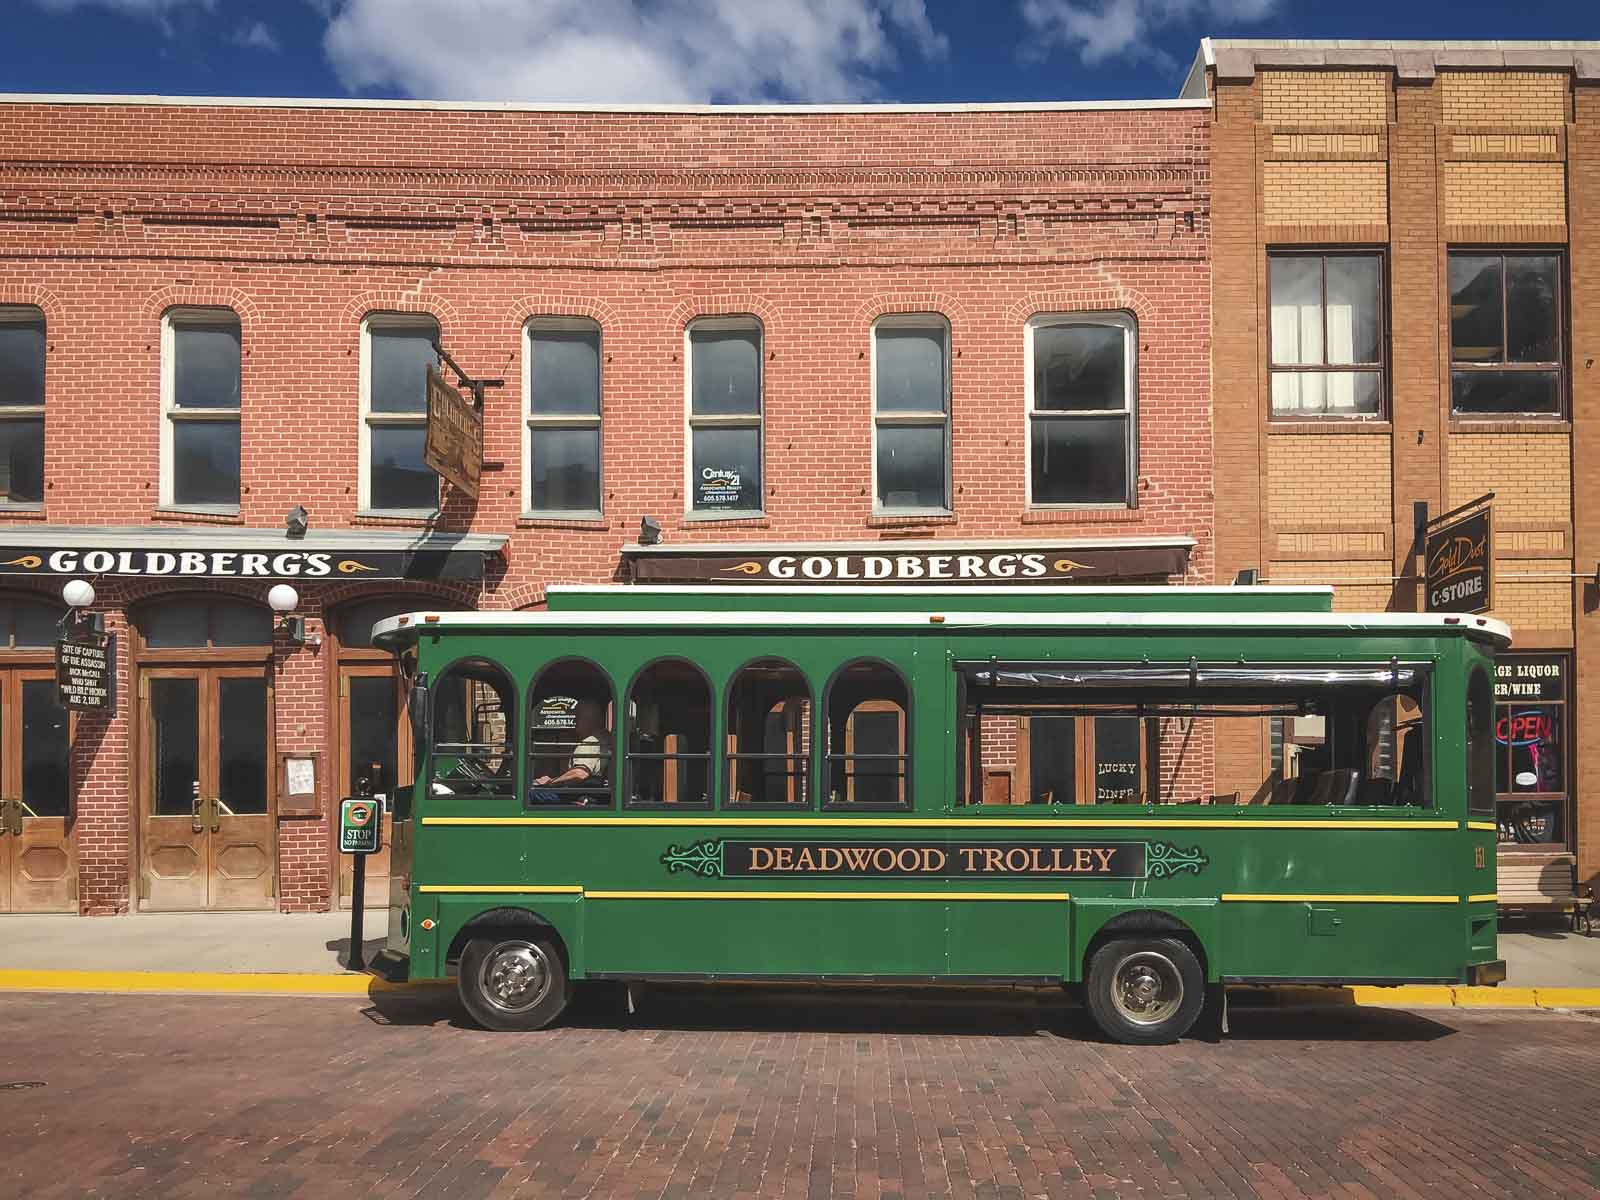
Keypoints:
pixel 1406 308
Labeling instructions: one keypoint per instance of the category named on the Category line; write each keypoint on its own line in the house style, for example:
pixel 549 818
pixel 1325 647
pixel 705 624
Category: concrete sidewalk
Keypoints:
pixel 229 943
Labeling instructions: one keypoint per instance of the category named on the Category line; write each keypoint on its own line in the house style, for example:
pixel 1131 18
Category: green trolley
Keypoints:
pixel 1143 794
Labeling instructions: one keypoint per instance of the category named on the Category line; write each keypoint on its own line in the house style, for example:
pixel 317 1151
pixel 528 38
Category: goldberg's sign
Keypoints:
pixel 242 564
pixel 733 859
pixel 1457 558
pixel 85 675
pixel 1021 565
pixel 454 445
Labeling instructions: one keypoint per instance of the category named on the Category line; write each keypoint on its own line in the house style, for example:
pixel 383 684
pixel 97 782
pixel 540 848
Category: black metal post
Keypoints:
pixel 358 901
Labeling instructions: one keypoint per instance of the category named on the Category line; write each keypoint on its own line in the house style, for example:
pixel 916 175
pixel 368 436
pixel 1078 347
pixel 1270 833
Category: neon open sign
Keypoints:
pixel 1524 729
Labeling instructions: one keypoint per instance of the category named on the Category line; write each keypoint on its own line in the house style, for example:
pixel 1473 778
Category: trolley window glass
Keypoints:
pixel 472 735
pixel 1140 733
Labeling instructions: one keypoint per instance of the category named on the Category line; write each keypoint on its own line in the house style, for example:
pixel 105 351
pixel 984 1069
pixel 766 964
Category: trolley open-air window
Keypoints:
pixel 868 711
pixel 768 735
pixel 669 736
pixel 472 753
pixel 570 723
pixel 1347 734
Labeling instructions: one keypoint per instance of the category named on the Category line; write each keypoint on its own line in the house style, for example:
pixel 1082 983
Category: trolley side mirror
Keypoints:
pixel 417 708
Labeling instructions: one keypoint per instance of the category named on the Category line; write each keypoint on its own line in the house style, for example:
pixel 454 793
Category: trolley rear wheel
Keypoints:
pixel 1144 990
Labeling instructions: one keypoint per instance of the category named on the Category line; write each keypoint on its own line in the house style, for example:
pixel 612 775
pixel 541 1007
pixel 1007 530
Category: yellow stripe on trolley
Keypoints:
pixel 826 896
pixel 1484 898
pixel 776 821
pixel 1482 826
pixel 1333 898
pixel 504 888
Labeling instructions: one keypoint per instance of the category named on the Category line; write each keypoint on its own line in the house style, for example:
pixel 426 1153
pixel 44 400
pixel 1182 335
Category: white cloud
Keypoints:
pixel 626 51
pixel 1100 30
pixel 255 36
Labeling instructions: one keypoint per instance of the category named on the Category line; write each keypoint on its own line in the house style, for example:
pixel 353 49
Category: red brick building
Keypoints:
pixel 977 338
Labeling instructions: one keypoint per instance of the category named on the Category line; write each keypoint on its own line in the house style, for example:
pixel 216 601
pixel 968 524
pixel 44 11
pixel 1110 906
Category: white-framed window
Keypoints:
pixel 1327 334
pixel 200 392
pixel 396 351
pixel 21 407
pixel 911 413
pixel 561 417
pixel 723 417
pixel 1082 405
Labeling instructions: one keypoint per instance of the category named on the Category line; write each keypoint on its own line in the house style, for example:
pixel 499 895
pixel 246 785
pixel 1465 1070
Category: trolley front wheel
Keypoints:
pixel 513 981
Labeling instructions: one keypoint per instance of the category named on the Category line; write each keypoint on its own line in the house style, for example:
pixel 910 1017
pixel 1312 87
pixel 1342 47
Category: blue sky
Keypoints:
pixel 638 51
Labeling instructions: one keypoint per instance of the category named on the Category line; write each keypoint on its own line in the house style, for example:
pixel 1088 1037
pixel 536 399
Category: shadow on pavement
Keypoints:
pixel 341 949
pixel 1333 1023
pixel 879 1010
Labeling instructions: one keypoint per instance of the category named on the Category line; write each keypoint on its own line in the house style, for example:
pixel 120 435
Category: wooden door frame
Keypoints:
pixel 143 658
pixel 372 666
pixel 340 656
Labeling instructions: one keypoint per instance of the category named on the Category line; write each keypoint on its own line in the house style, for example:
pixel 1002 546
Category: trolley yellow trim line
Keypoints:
pixel 1332 898
pixel 1482 826
pixel 1487 896
pixel 777 820
pixel 502 888
pixel 826 896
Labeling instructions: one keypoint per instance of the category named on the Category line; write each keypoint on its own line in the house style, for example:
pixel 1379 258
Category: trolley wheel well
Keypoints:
pixel 507 921
pixel 1145 921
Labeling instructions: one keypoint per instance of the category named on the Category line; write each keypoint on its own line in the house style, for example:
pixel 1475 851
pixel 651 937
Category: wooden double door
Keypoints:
pixel 38 862
pixel 206 799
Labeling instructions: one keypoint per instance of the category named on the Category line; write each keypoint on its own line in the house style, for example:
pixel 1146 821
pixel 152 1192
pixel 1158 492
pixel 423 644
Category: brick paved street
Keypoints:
pixel 770 1095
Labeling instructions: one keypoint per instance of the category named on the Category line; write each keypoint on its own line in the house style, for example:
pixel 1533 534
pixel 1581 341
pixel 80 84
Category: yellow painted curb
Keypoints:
pixel 1415 995
pixel 197 983
pixel 1567 997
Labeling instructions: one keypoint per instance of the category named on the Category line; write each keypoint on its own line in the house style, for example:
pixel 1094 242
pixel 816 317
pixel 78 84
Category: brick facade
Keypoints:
pixel 1419 148
pixel 304 219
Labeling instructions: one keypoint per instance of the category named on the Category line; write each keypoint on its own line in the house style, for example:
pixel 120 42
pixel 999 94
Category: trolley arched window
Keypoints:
pixel 571 718
pixel 769 735
pixel 669 735
pixel 472 745
pixel 868 728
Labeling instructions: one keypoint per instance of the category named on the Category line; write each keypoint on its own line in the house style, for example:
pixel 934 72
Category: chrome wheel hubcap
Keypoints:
pixel 1146 988
pixel 515 976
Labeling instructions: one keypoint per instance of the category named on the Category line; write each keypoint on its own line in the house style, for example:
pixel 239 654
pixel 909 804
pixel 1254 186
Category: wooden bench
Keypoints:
pixel 1542 881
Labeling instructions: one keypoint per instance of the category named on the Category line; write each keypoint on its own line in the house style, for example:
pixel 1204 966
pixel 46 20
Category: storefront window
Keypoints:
pixel 1506 334
pixel 561 452
pixel 1327 335
pixel 397 350
pixel 21 406
pixel 1530 734
pixel 724 359
pixel 200 401
pixel 911 413
pixel 1082 436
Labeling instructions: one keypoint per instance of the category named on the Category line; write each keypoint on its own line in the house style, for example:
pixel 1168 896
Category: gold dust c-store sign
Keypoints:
pixel 729 858
pixel 203 564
